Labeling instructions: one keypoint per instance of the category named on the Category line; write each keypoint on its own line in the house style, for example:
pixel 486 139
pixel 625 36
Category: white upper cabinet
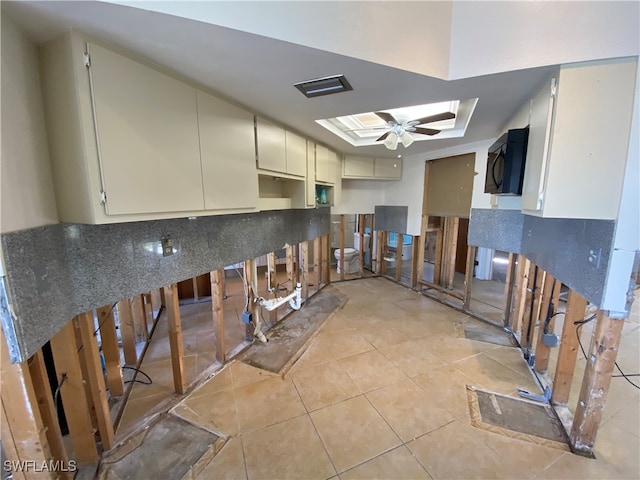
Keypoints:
pixel 128 142
pixel 326 164
pixel 357 167
pixel 147 137
pixel 296 153
pixel 368 168
pixel 228 154
pixel 271 145
pixel 578 141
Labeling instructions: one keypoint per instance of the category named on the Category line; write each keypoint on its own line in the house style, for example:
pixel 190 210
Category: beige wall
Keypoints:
pixel 451 186
pixel 27 198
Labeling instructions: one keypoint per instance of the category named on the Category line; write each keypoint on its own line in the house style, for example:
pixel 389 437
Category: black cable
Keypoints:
pixel 138 371
pixel 105 319
pixel 550 311
pixel 579 325
pixel 56 395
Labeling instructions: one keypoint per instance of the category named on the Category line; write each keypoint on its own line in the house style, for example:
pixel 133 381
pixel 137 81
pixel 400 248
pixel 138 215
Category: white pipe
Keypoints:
pixel 294 299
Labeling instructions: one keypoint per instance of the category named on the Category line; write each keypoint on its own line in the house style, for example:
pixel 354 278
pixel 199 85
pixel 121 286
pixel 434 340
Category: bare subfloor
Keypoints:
pixel 380 393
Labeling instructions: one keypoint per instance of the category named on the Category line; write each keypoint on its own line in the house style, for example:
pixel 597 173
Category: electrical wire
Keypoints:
pixel 135 380
pixel 105 318
pixel 60 383
pixel 579 324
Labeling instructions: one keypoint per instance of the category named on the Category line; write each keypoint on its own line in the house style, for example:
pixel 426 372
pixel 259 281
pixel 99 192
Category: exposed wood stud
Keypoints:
pixel 110 350
pixel 291 284
pixel 72 391
pixel 127 334
pixel 551 296
pixel 317 259
pixel 383 256
pixel 139 319
pixel 379 251
pixel 341 247
pixel 85 374
pixel 97 389
pixel 9 447
pixel 468 276
pixel 196 296
pixel 175 338
pixel 251 278
pixel 22 430
pixel 568 352
pixel 602 353
pixel 452 246
pixel 416 259
pixel 217 311
pixel 148 311
pixel 272 281
pixel 326 256
pixel 304 260
pixel 528 308
pixel 520 289
pixel 508 289
pixel 424 225
pixel 48 410
pixel 437 265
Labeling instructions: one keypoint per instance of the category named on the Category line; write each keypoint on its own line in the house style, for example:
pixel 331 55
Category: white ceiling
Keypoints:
pixel 258 72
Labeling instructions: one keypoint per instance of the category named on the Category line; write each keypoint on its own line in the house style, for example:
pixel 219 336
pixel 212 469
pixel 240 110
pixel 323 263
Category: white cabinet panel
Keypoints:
pixel 147 136
pixel 311 174
pixel 582 172
pixel 228 154
pixel 390 168
pixel 296 154
pixel 270 140
pixel 358 167
pixel 322 163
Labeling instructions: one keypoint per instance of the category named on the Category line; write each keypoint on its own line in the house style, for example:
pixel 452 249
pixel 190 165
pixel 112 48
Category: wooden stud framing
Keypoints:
pixel 48 410
pixel 437 265
pixel 326 255
pixel 383 256
pixel 379 251
pixel 139 319
pixel 23 436
pixel 602 353
pixel 341 247
pixel 317 259
pixel 72 391
pixel 508 289
pixel 551 295
pixel 272 282
pixel 147 304
pixel 291 284
pixel 451 248
pixel 196 296
pixel 399 245
pixel 528 308
pixel 175 339
pixel 416 262
pixel 304 260
pixel 519 293
pixel 97 389
pixel 468 276
pixel 110 350
pixel 127 332
pixel 251 278
pixel 568 352
pixel 424 225
pixel 217 312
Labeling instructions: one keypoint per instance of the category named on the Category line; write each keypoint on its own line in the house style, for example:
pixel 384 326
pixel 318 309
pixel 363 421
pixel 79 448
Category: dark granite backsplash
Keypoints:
pixel 58 271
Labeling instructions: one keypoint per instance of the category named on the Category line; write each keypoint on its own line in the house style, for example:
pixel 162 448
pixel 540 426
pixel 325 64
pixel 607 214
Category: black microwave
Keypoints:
pixel 505 163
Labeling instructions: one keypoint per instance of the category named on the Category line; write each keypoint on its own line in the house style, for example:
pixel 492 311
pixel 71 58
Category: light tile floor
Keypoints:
pixel 380 393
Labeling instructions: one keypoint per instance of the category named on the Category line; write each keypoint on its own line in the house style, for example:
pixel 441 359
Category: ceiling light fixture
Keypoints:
pixel 391 142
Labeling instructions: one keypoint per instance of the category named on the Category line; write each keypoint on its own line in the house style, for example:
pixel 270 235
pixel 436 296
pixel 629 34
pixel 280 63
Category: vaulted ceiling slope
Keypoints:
pixel 394 54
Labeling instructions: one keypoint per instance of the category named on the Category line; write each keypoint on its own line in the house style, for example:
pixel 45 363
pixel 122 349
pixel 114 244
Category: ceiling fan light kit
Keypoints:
pixel 391 142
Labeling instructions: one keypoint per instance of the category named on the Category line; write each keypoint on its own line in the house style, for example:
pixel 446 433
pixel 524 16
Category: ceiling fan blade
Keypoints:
pixel 425 131
pixel 386 134
pixel 387 117
pixel 433 118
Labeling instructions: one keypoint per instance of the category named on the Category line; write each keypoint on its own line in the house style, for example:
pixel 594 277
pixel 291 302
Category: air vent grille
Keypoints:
pixel 323 86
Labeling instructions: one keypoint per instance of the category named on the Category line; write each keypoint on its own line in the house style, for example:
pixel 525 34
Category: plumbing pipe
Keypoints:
pixel 294 299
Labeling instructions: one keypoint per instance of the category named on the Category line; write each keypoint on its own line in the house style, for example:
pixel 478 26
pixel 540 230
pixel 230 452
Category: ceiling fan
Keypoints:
pixel 401 130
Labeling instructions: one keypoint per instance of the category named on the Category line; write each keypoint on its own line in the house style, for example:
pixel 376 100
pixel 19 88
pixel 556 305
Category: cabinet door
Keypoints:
pixel 322 163
pixel 311 174
pixel 387 168
pixel 270 140
pixel 358 167
pixel 147 130
pixel 228 154
pixel 296 150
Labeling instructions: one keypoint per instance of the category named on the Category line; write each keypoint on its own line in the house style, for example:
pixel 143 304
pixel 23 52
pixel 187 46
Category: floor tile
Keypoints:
pixel 410 410
pixel 267 402
pixel 220 381
pixel 412 357
pixel 215 412
pixel 371 370
pixel 396 464
pixel 449 348
pixel 228 464
pixel 353 432
pixel 455 452
pixel 323 385
pixel 449 385
pixel 383 334
pixel 334 345
pixel 290 449
pixel 243 374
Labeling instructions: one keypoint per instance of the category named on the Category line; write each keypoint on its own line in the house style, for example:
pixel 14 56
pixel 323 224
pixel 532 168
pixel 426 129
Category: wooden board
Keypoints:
pixel 550 296
pixel 217 312
pixel 127 333
pixel 110 350
pixel 341 247
pixel 175 339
